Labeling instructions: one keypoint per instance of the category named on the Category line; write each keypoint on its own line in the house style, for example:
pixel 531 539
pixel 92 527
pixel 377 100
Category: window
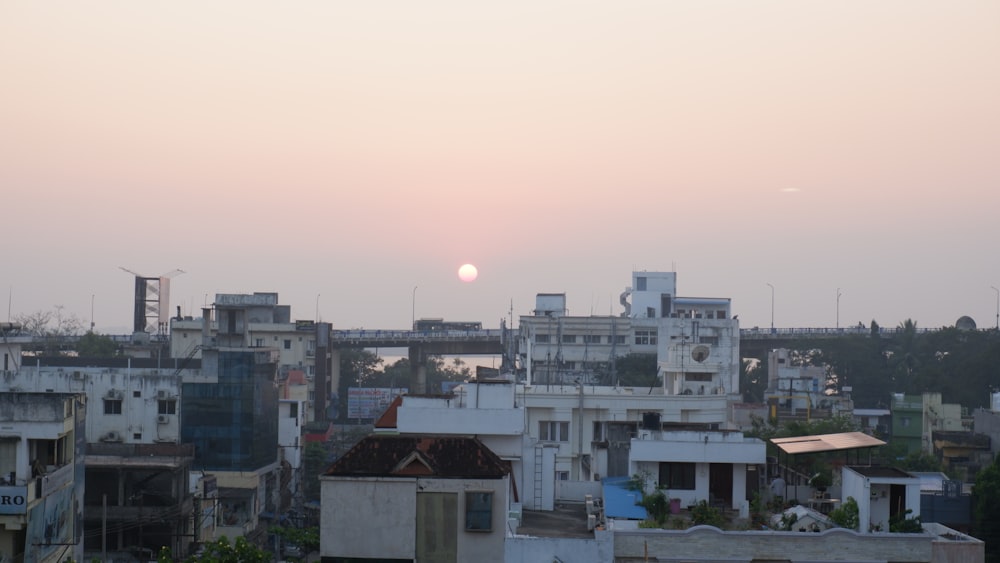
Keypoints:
pixel 137 394
pixel 720 314
pixel 166 407
pixel 478 512
pixel 258 342
pixel 640 283
pixel 713 340
pixel 541 339
pixel 137 436
pixel 688 376
pixel 677 475
pixel 569 339
pixel 288 344
pixel 562 475
pixel 591 338
pixel 650 313
pixel 904 421
pixel 293 410
pixel 619 339
pixel 553 431
pixel 112 406
pixel 643 337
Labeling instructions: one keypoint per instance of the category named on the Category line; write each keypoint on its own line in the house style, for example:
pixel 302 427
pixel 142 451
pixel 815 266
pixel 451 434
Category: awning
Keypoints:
pixel 826 443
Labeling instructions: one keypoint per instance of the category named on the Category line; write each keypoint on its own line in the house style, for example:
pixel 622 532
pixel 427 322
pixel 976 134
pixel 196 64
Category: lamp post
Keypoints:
pixel 838 307
pixel 413 308
pixel 317 307
pixel 998 305
pixel 772 306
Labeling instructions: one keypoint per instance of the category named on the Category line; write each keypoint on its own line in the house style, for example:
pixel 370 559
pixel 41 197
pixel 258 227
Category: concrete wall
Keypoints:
pixel 139 414
pixel 521 549
pixel 705 543
pixel 382 510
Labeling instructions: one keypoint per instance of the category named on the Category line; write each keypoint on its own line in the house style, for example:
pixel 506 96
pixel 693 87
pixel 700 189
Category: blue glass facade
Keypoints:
pixel 233 424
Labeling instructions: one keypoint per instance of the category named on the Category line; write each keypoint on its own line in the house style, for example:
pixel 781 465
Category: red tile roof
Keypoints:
pixel 437 456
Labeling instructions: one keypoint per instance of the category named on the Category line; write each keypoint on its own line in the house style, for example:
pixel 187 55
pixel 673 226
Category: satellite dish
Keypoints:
pixel 700 353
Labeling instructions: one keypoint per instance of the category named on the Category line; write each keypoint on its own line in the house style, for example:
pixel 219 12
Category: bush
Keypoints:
pixel 703 514
pixel 847 515
pixel 656 506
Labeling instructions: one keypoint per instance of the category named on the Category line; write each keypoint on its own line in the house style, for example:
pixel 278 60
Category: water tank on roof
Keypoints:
pixel 995 402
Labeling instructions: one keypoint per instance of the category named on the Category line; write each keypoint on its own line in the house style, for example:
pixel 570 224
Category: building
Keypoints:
pixel 268 325
pixel 695 339
pixel 415 498
pixel 916 417
pixel 230 415
pixel 138 500
pixel 41 476
pixel 800 392
pixel 133 400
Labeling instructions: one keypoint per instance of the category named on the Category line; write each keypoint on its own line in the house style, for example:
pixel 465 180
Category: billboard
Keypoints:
pixel 370 402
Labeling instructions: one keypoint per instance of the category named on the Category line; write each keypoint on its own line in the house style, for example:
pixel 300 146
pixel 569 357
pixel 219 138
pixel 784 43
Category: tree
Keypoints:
pixel 753 380
pixel 306 538
pixel 986 499
pixel 314 463
pixel 93 345
pixel 54 322
pixel 221 551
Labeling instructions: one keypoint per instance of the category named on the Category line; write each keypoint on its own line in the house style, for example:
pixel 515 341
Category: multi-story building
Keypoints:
pixel 41 476
pixel 695 339
pixel 269 325
pixel 915 418
pixel 132 400
pixel 230 415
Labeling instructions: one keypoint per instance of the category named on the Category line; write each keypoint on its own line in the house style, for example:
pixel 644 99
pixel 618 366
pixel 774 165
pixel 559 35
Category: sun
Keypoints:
pixel 468 273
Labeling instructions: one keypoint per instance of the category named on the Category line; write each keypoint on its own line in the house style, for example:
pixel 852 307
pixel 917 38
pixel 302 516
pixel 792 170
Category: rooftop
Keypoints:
pixel 416 456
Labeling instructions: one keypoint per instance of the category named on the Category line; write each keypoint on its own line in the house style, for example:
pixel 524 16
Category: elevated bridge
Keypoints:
pixel 757 342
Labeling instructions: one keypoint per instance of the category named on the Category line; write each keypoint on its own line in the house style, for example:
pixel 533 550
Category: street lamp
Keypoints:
pixel 772 306
pixel 998 306
pixel 838 307
pixel 317 307
pixel 413 308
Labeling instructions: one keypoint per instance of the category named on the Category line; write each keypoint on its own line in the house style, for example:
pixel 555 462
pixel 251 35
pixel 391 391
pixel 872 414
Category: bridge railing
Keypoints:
pixel 424 335
pixel 762 333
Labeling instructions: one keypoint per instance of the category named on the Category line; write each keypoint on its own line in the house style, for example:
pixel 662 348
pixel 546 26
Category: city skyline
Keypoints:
pixel 839 156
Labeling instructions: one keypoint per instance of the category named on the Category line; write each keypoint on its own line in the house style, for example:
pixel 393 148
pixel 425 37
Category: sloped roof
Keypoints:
pixel 826 442
pixel 389 417
pixel 432 456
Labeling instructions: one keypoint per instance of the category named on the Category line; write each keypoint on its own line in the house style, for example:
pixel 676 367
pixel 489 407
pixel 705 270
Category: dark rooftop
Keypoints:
pixel 565 521
pixel 416 456
pixel 881 472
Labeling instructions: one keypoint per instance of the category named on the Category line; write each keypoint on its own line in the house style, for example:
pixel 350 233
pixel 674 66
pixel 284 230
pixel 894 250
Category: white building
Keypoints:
pixel 881 493
pixel 415 498
pixel 131 400
pixel 567 433
pixel 41 476
pixel 695 339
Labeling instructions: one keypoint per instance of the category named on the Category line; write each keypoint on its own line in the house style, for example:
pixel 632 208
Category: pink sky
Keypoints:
pixel 354 150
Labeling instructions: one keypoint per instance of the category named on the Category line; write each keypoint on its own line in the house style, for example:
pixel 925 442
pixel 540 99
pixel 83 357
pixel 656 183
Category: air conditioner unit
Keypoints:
pixel 114 395
pixel 78 375
pixel 162 419
pixel 112 436
pixel 162 394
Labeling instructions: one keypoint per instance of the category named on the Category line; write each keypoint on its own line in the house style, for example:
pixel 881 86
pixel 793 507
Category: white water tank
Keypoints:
pixel 995 401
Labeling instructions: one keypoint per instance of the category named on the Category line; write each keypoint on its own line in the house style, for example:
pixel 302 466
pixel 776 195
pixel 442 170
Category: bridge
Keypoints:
pixel 756 342
pixel 420 345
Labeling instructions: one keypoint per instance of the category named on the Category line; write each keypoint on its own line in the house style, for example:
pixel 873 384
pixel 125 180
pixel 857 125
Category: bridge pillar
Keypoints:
pixel 418 370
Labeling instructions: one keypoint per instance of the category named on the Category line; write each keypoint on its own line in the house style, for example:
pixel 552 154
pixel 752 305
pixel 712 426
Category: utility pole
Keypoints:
pixel 838 307
pixel 772 307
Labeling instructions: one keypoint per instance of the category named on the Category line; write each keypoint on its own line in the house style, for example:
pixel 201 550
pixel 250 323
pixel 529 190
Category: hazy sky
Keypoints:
pixel 355 150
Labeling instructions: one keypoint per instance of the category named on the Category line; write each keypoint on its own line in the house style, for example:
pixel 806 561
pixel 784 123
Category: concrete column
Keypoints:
pixel 418 371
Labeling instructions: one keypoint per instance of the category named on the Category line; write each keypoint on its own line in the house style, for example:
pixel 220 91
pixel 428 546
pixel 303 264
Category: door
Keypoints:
pixel 437 527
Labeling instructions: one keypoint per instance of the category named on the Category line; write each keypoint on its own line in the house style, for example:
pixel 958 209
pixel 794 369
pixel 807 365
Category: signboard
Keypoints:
pixel 243 300
pixel 370 402
pixel 13 500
